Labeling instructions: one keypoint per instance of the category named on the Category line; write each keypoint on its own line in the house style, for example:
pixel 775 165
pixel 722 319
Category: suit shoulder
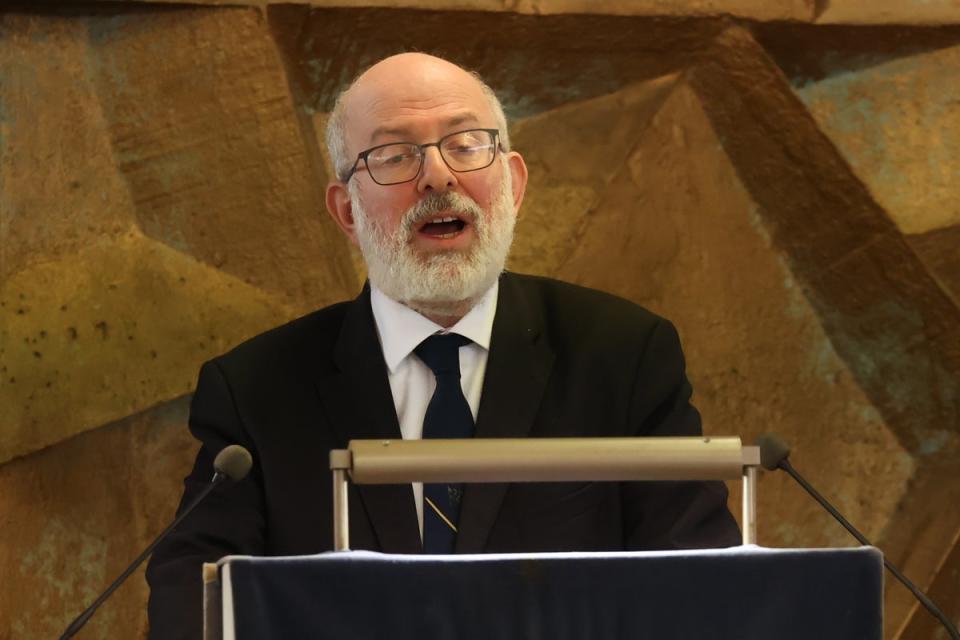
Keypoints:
pixel 314 333
pixel 577 308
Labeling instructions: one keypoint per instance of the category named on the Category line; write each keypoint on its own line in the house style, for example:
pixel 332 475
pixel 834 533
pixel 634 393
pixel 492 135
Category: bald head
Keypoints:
pixel 410 74
pixel 405 83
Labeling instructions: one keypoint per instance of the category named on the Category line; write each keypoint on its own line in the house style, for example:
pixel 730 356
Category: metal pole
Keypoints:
pixel 339 463
pixel 545 459
pixel 749 504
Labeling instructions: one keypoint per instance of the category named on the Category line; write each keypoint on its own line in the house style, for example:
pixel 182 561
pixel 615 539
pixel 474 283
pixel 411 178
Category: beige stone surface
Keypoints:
pixel 161 181
pixel 921 533
pixel 887 317
pixel 866 12
pixel 677 232
pixel 212 148
pixel 875 298
pixel 899 330
pixel 535 63
pixel 755 9
pixel 206 159
pixel 897 124
pixel 889 12
pixel 110 331
pixel 572 153
pixel 940 252
pixel 59 189
pixel 75 515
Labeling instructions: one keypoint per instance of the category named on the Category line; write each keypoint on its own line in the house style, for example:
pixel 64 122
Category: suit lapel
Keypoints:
pixel 359 404
pixel 517 371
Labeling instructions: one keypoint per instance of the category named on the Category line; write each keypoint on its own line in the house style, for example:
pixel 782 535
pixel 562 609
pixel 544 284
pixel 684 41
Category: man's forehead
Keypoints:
pixel 399 127
pixel 395 99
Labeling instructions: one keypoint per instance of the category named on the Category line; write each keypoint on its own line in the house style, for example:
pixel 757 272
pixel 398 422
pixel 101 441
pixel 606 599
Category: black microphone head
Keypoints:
pixel 773 450
pixel 234 462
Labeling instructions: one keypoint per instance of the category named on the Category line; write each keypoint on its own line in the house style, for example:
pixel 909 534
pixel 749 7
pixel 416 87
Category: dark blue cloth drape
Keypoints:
pixel 739 593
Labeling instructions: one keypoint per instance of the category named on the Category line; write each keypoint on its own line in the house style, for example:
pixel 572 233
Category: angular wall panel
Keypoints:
pixel 535 63
pixel 110 331
pixel 829 227
pixel 940 252
pixel 204 154
pixel 75 515
pixel 59 188
pixel 898 125
pixel 161 199
pixel 213 153
pixel 572 154
pixel 885 312
pixel 677 232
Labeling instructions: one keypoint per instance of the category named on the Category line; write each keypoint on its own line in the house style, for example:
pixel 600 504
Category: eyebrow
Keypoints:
pixel 403 131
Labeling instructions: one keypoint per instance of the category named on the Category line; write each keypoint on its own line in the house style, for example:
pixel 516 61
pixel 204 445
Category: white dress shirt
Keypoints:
pixel 412 383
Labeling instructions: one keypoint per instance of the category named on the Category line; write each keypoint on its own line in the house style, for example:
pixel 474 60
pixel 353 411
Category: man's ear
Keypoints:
pixel 518 173
pixel 340 206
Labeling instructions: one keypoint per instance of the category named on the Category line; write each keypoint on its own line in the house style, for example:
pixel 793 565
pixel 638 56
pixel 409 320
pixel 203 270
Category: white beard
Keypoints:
pixel 443 283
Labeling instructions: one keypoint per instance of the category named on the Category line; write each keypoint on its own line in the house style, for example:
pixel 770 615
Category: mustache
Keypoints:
pixel 457 204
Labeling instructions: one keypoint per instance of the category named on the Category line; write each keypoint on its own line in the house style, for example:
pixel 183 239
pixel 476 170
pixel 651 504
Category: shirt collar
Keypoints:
pixel 401 328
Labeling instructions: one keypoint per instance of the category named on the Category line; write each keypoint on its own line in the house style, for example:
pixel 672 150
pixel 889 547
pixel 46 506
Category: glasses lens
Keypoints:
pixel 468 150
pixel 394 163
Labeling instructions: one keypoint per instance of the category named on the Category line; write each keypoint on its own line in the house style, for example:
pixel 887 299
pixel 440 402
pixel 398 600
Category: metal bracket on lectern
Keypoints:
pixel 340 463
pixel 748 520
pixel 542 460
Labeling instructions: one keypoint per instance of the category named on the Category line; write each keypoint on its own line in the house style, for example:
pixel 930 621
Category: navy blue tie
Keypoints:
pixel 448 416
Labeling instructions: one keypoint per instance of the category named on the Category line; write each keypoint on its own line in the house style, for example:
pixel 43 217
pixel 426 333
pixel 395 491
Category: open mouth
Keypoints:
pixel 443 227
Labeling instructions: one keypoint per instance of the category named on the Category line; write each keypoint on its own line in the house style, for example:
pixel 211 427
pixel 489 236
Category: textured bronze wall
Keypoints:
pixel 784 191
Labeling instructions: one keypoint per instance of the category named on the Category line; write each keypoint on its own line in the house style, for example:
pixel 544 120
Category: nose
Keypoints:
pixel 435 175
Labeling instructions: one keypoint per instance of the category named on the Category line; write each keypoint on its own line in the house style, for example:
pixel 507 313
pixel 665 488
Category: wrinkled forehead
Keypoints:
pixel 413 103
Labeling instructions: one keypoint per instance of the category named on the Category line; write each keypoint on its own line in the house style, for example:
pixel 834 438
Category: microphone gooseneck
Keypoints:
pixel 774 454
pixel 232 463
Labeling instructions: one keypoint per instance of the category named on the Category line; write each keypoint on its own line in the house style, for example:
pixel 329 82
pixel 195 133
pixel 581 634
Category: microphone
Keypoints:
pixel 232 463
pixel 774 452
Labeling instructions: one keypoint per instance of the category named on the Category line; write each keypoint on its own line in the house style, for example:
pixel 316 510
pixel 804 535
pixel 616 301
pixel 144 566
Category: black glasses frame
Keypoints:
pixel 494 133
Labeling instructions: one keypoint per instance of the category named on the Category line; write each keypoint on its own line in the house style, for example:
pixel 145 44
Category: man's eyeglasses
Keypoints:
pixel 397 162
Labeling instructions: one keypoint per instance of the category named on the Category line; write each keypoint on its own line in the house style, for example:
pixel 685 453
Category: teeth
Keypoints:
pixel 446 219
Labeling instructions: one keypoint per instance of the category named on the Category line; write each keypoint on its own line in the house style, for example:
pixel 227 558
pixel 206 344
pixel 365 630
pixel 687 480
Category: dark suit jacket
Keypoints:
pixel 564 361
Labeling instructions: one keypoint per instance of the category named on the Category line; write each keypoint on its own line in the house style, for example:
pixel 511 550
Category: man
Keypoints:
pixel 429 189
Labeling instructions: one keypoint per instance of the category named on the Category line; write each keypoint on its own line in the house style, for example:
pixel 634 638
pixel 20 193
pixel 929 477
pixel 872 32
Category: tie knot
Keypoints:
pixel 441 352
